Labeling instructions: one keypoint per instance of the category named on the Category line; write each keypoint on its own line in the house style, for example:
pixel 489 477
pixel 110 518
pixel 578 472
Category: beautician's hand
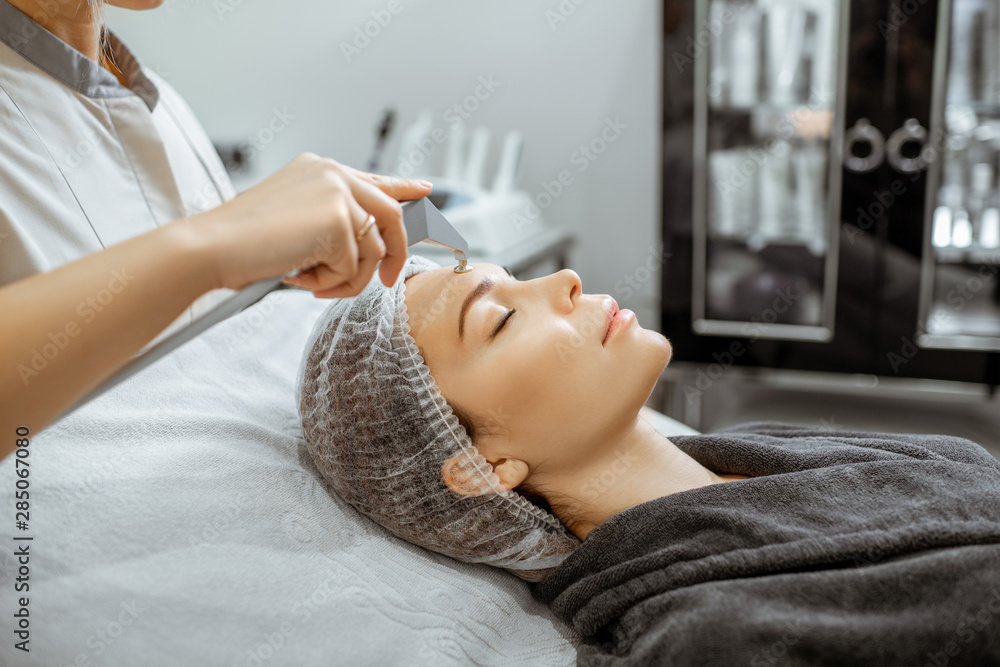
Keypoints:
pixel 306 216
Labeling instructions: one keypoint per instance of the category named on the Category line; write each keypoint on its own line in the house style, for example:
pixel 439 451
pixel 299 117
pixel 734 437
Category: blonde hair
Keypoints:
pixel 97 12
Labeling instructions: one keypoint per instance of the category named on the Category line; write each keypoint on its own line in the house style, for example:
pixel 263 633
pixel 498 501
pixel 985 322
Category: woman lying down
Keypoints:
pixel 497 421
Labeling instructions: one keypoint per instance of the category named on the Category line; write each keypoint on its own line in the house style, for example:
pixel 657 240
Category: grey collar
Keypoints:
pixel 66 64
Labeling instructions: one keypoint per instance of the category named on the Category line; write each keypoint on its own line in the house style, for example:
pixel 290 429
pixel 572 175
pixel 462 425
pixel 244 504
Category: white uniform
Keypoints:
pixel 85 162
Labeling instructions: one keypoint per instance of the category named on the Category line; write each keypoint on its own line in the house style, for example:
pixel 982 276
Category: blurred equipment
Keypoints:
pixel 491 218
pixel 382 133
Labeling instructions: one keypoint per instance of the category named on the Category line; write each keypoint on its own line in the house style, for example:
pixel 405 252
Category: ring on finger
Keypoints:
pixel 364 230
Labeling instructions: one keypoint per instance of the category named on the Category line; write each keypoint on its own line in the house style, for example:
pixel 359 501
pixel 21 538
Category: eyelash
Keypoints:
pixel 503 322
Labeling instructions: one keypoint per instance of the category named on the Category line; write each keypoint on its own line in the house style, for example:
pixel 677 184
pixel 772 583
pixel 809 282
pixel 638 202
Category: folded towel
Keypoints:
pixel 843 549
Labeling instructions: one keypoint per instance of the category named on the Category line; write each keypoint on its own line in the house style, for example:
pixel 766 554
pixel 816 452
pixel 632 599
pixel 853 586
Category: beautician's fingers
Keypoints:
pixel 394 238
pixel 388 217
pixel 337 263
pixel 305 217
pixel 400 189
pixel 371 250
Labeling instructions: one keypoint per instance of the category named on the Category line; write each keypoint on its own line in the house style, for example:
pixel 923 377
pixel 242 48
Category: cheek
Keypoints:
pixel 572 375
pixel 555 388
pixel 517 384
pixel 558 390
pixel 631 374
pixel 552 371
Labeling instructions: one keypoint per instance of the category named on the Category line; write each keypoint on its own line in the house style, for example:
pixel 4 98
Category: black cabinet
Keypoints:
pixel 830 194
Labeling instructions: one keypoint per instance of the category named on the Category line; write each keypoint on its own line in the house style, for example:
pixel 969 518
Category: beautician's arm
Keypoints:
pixel 304 215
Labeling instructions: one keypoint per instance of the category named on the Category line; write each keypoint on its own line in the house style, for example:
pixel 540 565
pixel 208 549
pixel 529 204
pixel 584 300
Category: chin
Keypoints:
pixel 635 376
pixel 648 359
pixel 659 348
pixel 136 4
pixel 669 350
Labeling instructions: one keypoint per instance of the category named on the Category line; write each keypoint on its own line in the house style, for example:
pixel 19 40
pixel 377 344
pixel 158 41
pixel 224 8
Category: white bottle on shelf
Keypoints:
pixel 942 229
pixel 979 193
pixel 774 194
pixel 989 228
pixel 960 84
pixel 961 225
pixel 961 230
pixel 786 27
pixel 810 179
pixel 454 164
pixel 824 61
pixel 718 76
pixel 744 53
pixel 724 192
pixel 413 162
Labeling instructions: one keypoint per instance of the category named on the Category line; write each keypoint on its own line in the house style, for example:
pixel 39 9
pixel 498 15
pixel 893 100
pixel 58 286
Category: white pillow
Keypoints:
pixel 664 424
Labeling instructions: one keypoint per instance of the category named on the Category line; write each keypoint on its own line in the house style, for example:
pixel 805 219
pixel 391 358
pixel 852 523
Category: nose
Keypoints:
pixel 566 287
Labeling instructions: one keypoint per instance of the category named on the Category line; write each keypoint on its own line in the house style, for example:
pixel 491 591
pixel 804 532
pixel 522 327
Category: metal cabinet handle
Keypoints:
pixel 863 132
pixel 911 131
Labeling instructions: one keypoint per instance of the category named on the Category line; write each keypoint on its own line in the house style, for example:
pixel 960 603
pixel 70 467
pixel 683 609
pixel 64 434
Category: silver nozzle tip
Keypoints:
pixel 463 266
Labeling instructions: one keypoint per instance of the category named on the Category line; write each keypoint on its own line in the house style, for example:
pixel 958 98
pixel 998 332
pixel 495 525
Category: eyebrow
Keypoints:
pixel 483 288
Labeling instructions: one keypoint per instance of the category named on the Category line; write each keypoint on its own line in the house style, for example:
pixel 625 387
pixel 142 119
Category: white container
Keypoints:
pixel 744 53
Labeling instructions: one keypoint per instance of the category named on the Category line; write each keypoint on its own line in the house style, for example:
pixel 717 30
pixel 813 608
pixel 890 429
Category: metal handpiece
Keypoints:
pixel 424 222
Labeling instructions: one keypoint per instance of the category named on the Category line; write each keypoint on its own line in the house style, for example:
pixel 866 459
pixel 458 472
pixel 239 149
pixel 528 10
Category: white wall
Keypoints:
pixel 236 61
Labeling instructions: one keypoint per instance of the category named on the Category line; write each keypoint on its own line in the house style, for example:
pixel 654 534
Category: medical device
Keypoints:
pixel 422 221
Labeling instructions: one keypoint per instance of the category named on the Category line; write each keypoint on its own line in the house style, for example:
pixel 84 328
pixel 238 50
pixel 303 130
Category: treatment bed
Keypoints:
pixel 178 519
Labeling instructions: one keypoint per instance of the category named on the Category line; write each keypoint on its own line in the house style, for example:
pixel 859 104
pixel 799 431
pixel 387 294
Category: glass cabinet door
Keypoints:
pixel 769 90
pixel 959 294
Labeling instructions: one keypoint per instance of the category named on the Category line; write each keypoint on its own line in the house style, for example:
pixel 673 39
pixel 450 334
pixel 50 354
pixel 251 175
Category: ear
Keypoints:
pixel 463 477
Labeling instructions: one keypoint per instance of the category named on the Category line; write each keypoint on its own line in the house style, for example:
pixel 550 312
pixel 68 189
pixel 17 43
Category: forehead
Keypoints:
pixel 431 286
pixel 433 298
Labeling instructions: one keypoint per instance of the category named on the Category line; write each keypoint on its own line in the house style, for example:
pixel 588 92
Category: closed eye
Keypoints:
pixel 503 322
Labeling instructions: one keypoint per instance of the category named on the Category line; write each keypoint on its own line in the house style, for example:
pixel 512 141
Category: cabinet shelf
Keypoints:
pixel 768 142
pixel 768 108
pixel 978 108
pixel 757 242
pixel 971 255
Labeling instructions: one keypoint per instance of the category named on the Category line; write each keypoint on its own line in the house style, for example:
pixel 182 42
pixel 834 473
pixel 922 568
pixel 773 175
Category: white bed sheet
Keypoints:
pixel 179 520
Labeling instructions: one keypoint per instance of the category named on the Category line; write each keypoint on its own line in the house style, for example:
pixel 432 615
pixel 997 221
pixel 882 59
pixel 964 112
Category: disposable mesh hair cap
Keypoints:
pixel 379 430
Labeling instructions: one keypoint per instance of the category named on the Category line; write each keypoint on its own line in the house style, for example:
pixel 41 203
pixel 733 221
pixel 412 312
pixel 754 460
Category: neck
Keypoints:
pixel 639 466
pixel 72 21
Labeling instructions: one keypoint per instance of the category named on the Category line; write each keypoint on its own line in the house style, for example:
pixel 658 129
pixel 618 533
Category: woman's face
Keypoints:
pixel 529 361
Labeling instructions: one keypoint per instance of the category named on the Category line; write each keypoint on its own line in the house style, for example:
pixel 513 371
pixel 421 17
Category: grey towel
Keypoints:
pixel 844 549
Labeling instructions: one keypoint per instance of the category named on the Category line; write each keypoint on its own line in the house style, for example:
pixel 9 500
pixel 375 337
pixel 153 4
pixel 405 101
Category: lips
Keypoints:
pixel 610 309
